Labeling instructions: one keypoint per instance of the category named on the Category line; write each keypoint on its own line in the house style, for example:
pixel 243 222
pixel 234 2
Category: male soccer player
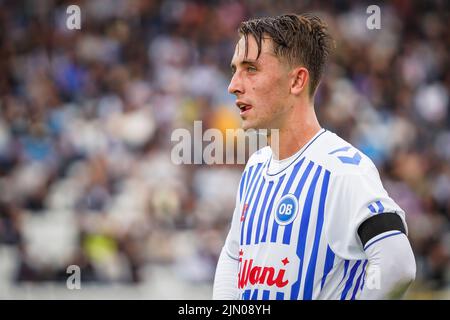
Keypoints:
pixel 312 219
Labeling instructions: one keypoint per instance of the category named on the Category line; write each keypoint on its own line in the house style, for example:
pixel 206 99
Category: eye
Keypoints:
pixel 251 68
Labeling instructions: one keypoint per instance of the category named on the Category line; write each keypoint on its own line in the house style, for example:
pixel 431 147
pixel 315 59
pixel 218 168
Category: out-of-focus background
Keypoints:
pixel 86 118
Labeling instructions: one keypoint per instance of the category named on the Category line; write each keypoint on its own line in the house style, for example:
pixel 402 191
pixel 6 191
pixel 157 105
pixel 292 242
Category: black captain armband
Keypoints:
pixel 378 224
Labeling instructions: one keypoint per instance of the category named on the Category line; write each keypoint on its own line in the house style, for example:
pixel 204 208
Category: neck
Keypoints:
pixel 295 133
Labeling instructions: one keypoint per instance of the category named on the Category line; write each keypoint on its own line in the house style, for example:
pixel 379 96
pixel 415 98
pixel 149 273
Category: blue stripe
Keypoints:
pixel 349 282
pixel 386 236
pixel 246 294
pixel 292 176
pixel 266 295
pixel 263 208
pixel 280 296
pixel 251 179
pixel 250 207
pixel 274 174
pixel 269 210
pixel 358 281
pixel 301 244
pixel 247 194
pixel 346 263
pixel 288 228
pixel 241 185
pixel 253 211
pixel 371 208
pixel 362 282
pixel 380 206
pixel 340 149
pixel 249 176
pixel 255 295
pixel 309 281
pixel 329 261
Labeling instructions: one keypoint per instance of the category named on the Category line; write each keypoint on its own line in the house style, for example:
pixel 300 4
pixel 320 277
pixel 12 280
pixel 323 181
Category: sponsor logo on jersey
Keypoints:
pixel 268 275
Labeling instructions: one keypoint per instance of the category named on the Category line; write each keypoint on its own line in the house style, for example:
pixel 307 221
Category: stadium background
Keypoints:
pixel 86 117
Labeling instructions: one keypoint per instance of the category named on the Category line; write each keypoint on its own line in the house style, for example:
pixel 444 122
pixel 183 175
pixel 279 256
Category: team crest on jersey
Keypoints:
pixel 286 209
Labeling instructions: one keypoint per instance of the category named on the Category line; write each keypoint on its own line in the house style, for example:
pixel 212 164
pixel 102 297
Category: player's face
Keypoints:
pixel 261 86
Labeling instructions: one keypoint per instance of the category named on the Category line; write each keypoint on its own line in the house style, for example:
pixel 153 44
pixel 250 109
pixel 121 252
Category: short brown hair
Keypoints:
pixel 300 39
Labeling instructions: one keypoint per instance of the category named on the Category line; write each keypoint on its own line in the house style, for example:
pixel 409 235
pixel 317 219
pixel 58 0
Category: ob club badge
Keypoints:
pixel 286 209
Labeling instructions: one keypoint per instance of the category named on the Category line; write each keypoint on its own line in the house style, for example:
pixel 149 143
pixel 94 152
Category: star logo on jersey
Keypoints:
pixel 244 211
pixel 285 261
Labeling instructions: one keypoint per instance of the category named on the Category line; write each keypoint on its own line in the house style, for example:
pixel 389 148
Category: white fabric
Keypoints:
pixel 390 270
pixel 391 267
pixel 225 280
pixel 352 193
pixel 278 165
pixel 317 254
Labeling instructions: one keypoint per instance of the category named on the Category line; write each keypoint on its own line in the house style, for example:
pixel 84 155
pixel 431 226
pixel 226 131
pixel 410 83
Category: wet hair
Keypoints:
pixel 302 40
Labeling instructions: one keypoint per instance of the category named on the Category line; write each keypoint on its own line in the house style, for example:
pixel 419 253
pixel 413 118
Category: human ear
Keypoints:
pixel 299 80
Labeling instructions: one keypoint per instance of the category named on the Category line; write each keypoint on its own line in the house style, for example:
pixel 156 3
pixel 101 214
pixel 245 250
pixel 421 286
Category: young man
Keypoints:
pixel 312 219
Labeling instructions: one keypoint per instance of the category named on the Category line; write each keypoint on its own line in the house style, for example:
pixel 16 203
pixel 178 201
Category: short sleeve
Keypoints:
pixel 353 198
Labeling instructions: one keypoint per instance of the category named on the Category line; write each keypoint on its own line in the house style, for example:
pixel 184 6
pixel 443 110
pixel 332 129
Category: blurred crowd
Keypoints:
pixel 86 117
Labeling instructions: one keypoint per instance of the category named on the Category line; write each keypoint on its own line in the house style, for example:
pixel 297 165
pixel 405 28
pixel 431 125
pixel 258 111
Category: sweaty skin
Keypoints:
pixel 276 93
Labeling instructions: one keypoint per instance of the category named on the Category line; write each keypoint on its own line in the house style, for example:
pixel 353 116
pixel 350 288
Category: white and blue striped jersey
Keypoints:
pixel 294 229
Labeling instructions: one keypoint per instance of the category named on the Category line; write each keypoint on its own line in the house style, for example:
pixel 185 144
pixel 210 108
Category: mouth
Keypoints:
pixel 243 107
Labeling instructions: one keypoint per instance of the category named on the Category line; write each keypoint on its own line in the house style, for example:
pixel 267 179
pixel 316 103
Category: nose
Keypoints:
pixel 236 87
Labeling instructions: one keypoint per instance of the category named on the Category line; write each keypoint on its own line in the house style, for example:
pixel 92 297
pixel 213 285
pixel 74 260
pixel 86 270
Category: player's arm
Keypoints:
pixel 366 223
pixel 391 264
pixel 226 277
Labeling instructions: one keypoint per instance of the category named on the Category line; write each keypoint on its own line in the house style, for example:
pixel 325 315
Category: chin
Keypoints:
pixel 247 125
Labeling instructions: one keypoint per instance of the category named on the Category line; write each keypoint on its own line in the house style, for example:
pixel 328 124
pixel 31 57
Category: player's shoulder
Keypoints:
pixel 339 156
pixel 260 156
